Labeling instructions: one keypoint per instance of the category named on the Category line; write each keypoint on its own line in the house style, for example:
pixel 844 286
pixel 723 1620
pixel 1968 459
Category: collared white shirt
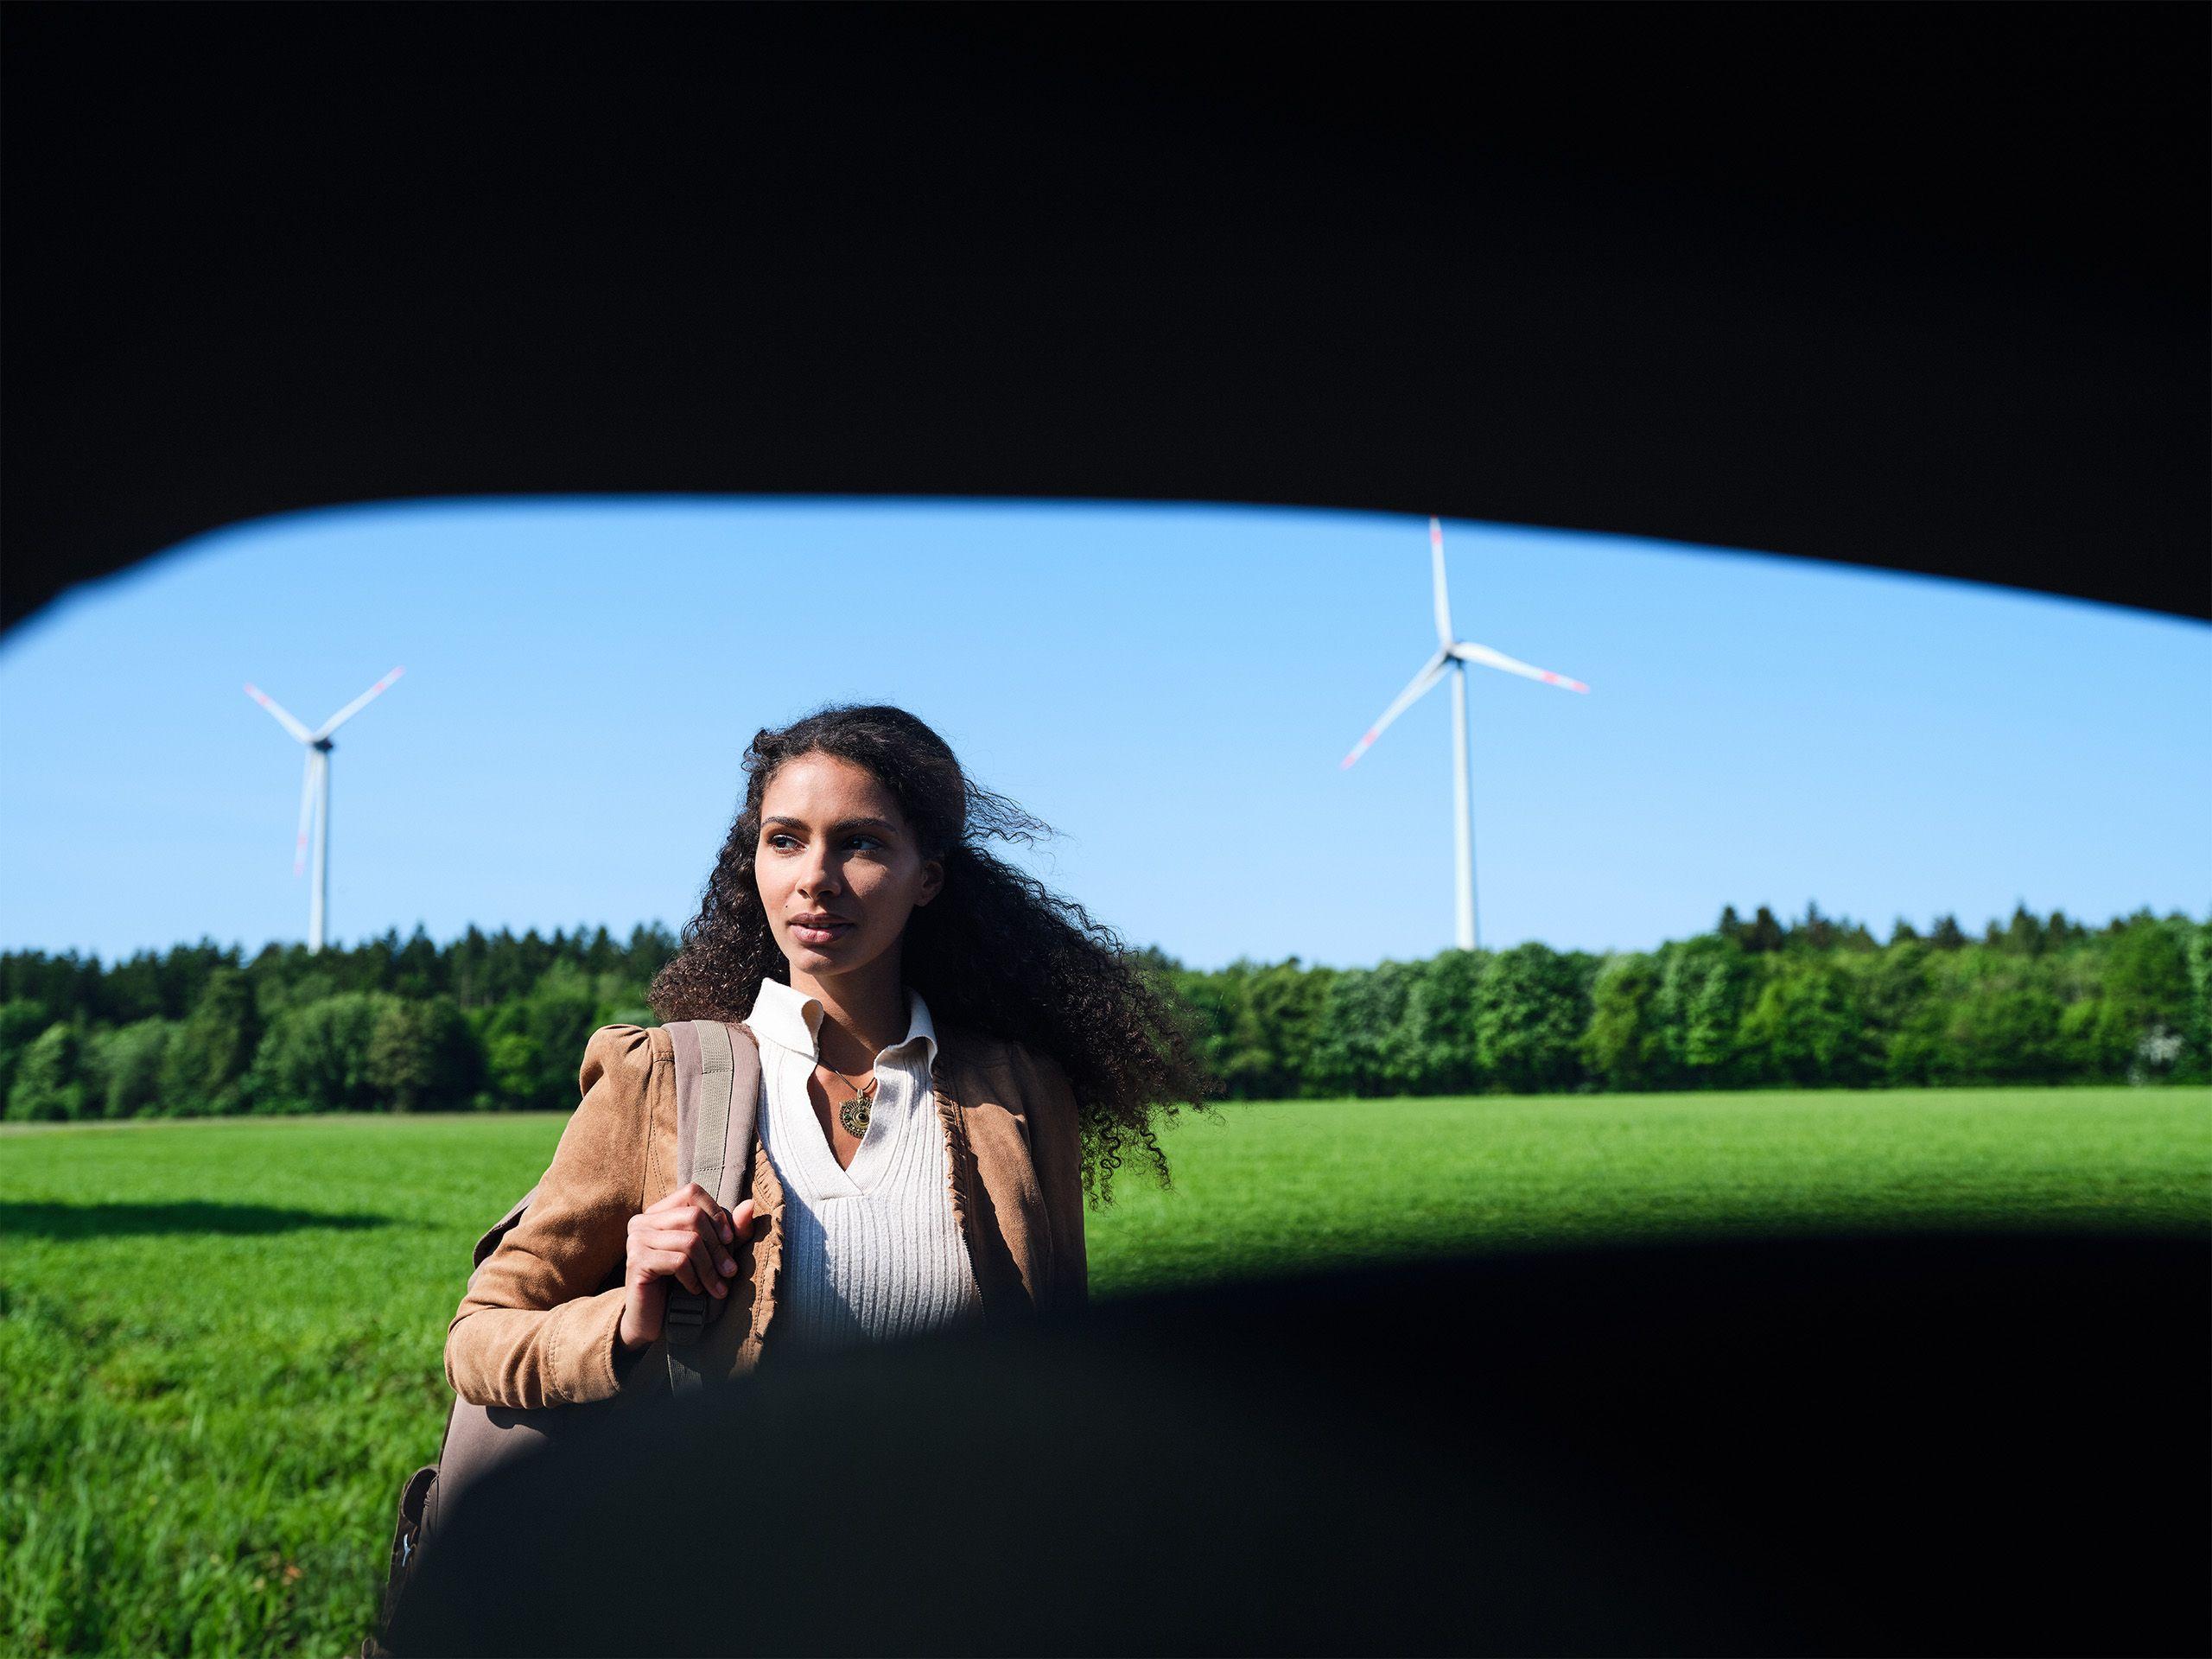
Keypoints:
pixel 872 1252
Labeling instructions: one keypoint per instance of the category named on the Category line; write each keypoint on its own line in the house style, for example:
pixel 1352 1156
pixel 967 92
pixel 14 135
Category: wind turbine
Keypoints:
pixel 1452 658
pixel 315 792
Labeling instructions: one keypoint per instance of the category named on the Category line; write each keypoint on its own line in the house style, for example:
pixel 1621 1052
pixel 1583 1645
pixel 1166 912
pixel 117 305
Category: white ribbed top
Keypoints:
pixel 872 1252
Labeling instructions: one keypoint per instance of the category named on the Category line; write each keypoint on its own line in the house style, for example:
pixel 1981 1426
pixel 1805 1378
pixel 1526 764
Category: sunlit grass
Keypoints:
pixel 220 1340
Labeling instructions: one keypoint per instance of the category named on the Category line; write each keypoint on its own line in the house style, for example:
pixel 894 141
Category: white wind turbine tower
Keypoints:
pixel 315 792
pixel 1452 658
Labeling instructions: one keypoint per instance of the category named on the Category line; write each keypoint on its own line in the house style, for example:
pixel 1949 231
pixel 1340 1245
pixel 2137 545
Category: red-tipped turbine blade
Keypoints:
pixel 283 718
pixel 357 704
pixel 1431 672
pixel 1489 658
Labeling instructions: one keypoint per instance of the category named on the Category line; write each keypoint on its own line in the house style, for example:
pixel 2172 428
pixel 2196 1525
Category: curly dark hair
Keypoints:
pixel 996 951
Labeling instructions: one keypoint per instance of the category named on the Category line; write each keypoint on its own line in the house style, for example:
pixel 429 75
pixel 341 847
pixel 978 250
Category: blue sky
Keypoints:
pixel 1171 687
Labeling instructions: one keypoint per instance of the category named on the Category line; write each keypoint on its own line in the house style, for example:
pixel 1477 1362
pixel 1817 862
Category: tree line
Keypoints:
pixel 494 1022
pixel 1762 1003
pixel 488 1022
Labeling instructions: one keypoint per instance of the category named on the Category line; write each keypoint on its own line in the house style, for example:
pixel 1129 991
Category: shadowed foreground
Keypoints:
pixel 1939 1444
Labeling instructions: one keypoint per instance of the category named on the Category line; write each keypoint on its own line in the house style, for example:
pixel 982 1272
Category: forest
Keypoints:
pixel 496 1022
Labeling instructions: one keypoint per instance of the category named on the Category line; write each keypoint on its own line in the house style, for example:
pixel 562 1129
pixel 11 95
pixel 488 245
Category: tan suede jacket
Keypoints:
pixel 540 1323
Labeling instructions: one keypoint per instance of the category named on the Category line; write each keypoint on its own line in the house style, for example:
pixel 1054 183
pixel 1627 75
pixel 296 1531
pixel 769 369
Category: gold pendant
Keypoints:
pixel 854 1115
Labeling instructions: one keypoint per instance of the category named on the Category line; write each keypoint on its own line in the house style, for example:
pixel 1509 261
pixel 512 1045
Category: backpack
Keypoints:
pixel 717 1104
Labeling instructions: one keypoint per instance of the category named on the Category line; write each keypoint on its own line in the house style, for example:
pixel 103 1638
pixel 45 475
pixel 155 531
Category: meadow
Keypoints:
pixel 219 1338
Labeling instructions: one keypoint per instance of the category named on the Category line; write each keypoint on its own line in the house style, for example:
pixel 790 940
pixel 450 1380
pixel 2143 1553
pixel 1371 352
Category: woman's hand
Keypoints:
pixel 688 1239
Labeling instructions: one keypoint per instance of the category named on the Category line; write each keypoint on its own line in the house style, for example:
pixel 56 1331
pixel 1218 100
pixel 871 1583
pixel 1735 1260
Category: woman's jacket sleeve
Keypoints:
pixel 1055 1151
pixel 540 1325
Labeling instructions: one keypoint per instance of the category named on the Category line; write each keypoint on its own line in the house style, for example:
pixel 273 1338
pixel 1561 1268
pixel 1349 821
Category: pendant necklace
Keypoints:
pixel 854 1113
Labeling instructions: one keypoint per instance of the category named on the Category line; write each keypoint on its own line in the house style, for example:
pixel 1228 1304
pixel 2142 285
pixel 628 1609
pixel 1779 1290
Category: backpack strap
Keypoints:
pixel 717 1099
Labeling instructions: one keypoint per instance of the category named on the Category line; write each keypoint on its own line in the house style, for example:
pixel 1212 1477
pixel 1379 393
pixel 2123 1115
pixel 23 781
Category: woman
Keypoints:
pixel 951 1058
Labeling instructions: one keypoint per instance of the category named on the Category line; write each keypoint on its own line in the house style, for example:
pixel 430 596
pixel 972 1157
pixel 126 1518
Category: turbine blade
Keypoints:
pixel 357 704
pixel 1485 655
pixel 307 811
pixel 1431 672
pixel 284 718
pixel 1443 597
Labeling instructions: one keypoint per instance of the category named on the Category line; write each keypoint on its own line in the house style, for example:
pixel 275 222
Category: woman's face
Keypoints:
pixel 838 867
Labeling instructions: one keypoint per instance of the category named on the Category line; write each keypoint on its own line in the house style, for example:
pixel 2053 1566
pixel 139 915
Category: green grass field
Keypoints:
pixel 220 1340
